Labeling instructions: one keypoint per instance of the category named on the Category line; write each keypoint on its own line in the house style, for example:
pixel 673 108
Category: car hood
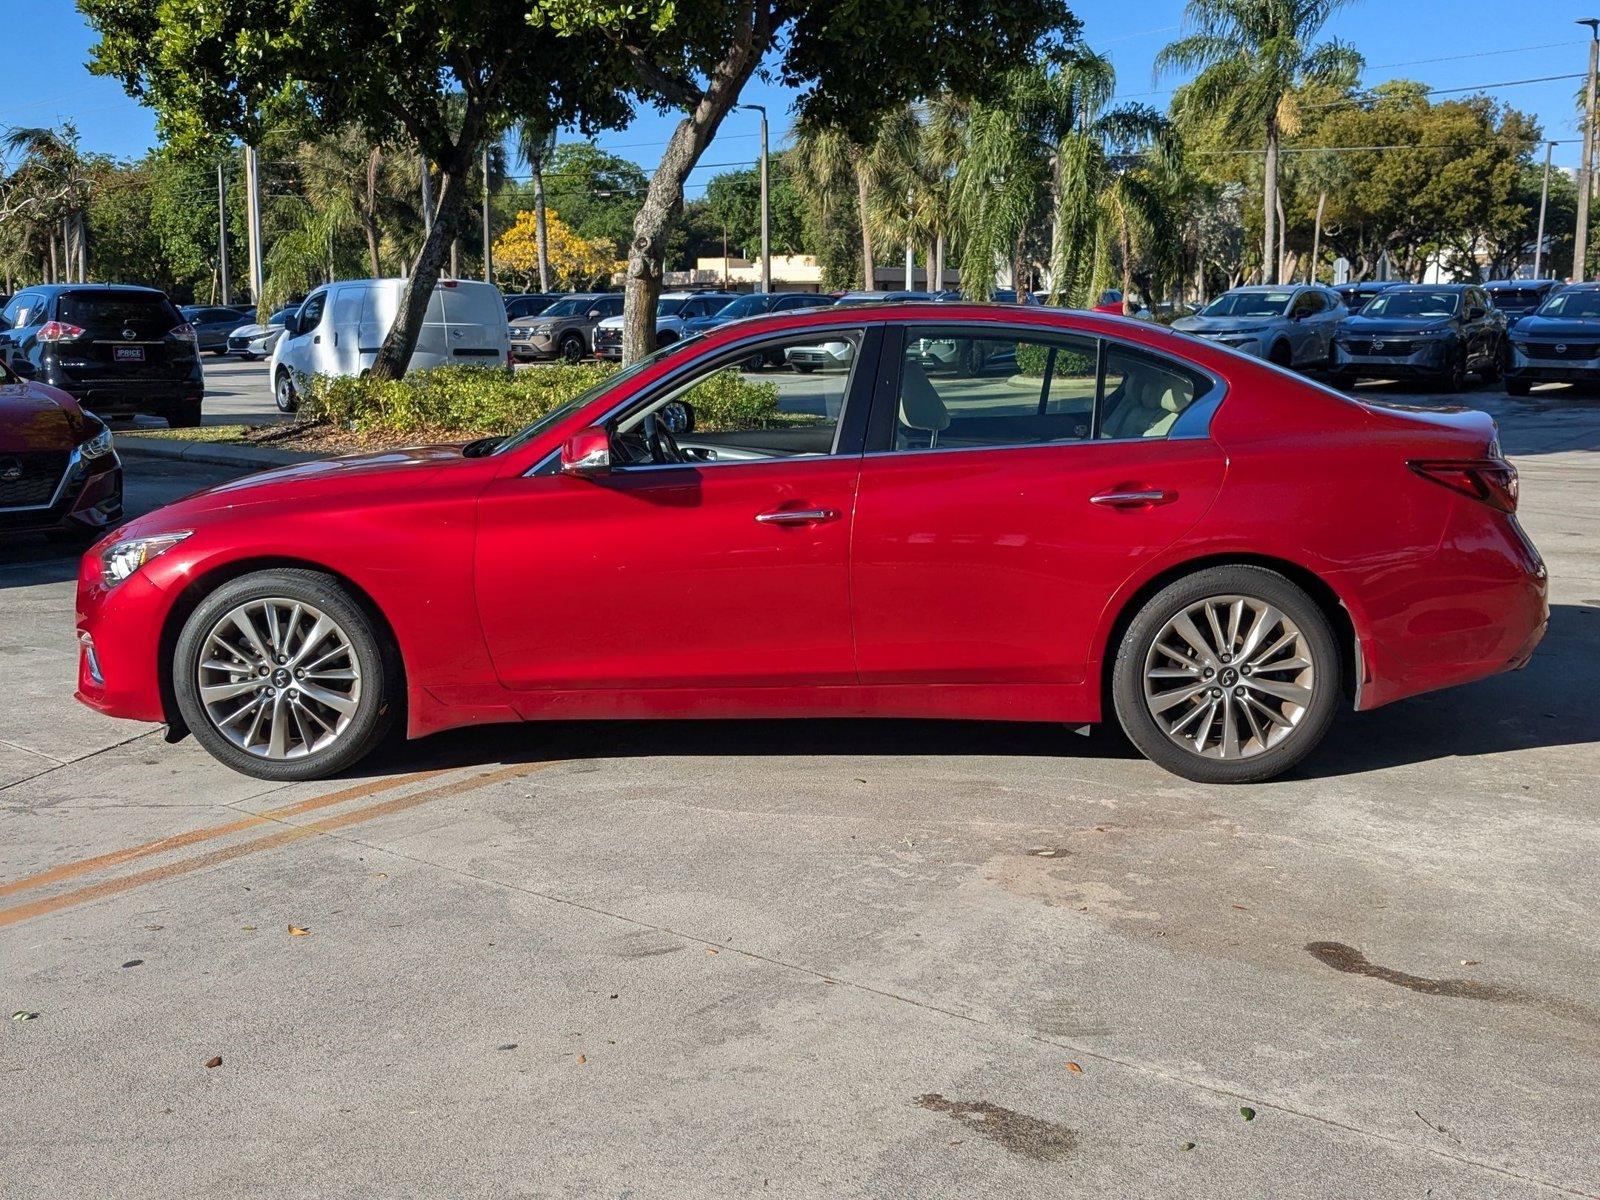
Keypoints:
pixel 255 331
pixel 1559 327
pixel 1379 326
pixel 397 471
pixel 616 322
pixel 36 417
pixel 1222 324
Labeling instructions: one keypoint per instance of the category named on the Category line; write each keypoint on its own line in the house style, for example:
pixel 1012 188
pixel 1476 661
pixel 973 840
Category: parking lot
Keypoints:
pixel 881 958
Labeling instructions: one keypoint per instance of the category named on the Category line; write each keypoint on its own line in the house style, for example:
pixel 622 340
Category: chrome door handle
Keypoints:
pixel 1142 499
pixel 797 516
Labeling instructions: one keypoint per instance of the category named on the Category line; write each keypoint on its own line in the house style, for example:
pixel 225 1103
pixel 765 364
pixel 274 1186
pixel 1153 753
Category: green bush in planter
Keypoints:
pixel 1032 356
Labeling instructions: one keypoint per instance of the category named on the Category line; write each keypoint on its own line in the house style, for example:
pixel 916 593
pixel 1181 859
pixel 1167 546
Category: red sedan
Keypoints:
pixel 973 511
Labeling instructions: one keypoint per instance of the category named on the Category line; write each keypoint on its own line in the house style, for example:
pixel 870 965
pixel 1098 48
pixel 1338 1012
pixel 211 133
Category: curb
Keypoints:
pixel 215 453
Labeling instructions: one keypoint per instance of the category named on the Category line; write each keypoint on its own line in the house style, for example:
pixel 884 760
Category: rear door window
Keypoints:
pixel 111 313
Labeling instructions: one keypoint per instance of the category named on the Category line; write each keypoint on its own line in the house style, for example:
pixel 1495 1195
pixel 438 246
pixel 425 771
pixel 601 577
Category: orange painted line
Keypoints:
pixel 179 840
pixel 272 841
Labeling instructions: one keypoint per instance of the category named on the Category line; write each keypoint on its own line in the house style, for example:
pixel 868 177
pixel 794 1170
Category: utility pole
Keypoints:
pixel 222 236
pixel 1580 242
pixel 252 183
pixel 1544 202
pixel 488 252
pixel 766 210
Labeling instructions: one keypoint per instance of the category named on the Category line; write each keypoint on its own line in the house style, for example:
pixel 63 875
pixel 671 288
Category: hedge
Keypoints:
pixel 478 401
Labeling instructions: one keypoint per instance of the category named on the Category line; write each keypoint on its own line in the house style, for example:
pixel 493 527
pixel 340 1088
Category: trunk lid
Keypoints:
pixel 1467 432
pixel 125 336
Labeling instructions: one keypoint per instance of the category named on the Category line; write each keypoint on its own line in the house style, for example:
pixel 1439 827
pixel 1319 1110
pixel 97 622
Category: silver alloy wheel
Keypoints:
pixel 278 678
pixel 1229 677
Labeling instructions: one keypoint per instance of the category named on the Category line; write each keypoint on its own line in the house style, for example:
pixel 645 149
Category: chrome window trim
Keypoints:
pixel 733 352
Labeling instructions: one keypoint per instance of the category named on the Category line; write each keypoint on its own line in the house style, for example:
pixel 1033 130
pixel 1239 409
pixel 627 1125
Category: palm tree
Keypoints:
pixel 536 142
pixel 827 162
pixel 50 191
pixel 1252 57
pixel 910 174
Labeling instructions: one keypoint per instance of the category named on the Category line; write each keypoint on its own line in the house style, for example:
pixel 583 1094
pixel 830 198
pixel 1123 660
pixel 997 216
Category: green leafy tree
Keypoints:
pixel 1253 56
pixel 733 199
pixel 445 77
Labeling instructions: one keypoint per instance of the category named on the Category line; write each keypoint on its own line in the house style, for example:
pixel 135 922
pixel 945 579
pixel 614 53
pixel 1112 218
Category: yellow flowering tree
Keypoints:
pixel 575 262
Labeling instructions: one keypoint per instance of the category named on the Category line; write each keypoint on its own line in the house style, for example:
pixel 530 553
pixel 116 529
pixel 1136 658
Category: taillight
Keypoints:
pixel 59 331
pixel 184 333
pixel 1490 480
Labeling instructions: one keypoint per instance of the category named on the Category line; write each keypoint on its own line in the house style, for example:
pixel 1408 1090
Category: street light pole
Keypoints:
pixel 488 250
pixel 1580 241
pixel 252 183
pixel 766 209
pixel 1544 203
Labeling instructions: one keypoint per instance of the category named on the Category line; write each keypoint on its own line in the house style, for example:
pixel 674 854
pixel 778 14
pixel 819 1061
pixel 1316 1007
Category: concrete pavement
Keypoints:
pixel 815 959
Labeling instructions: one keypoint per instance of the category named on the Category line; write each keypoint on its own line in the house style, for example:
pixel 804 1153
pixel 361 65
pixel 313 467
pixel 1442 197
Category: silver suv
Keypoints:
pixel 1292 325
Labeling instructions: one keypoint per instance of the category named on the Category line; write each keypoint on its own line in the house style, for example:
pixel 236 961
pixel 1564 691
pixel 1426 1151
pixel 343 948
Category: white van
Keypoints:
pixel 340 327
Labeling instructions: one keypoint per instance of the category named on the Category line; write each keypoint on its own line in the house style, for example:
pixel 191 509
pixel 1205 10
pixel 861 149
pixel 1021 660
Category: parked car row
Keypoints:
pixel 1524 330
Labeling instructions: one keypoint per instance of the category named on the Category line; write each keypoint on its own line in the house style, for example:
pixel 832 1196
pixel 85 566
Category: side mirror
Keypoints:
pixel 1476 313
pixel 593 314
pixel 291 325
pixel 587 452
pixel 22 368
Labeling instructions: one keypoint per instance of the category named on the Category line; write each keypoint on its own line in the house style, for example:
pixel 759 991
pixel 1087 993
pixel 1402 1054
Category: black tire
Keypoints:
pixel 378 660
pixel 1280 355
pixel 220 351
pixel 1127 680
pixel 666 339
pixel 1518 387
pixel 1491 370
pixel 284 393
pixel 1454 379
pixel 572 348
pixel 245 356
pixel 184 416
pixel 802 368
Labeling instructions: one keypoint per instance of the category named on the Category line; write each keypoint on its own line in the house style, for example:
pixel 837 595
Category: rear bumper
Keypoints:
pixel 1482 609
pixel 150 397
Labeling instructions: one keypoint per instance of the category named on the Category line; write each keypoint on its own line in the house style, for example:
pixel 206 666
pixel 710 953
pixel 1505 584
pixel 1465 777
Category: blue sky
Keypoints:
pixel 1446 43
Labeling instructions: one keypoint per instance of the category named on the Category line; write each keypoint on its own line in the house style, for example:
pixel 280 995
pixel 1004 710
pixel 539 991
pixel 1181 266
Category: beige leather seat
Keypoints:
pixel 920 406
pixel 1150 404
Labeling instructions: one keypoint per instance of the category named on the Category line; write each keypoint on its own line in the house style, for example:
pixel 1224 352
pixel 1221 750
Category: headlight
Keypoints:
pixel 98 446
pixel 544 329
pixel 125 557
pixel 1432 333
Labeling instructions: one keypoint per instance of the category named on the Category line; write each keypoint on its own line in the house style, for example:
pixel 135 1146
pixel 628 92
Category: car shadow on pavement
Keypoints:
pixel 32 561
pixel 1549 703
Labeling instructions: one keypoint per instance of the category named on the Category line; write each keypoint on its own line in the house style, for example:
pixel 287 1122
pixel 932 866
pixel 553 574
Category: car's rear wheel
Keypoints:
pixel 1229 675
pixel 1493 367
pixel 281 675
pixel 283 391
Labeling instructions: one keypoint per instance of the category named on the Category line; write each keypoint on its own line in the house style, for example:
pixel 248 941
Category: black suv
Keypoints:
pixel 1437 332
pixel 117 350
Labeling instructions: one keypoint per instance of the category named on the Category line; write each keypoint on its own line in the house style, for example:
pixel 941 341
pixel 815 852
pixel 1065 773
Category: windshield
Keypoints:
pixel 1515 299
pixel 744 306
pixel 1413 304
pixel 1248 304
pixel 1572 305
pixel 556 415
pixel 570 307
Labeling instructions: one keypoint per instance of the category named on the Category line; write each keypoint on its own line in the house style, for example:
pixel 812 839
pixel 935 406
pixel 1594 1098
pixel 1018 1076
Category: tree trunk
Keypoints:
pixel 1019 272
pixel 395 354
pixel 455 259
pixel 938 263
pixel 869 271
pixel 663 200
pixel 1125 236
pixel 541 231
pixel 1269 189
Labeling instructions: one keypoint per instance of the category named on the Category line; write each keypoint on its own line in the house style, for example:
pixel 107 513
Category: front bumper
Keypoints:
pixel 1247 343
pixel 1425 358
pixel 119 635
pixel 88 499
pixel 539 346
pixel 1541 367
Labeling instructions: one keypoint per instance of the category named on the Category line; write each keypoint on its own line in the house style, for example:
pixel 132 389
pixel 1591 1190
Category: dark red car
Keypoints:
pixel 58 472
pixel 980 511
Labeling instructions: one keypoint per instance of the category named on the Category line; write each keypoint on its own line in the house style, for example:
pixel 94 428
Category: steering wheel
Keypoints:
pixel 659 441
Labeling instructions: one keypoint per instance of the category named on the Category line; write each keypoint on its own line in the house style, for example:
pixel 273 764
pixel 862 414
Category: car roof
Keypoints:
pixel 1434 287
pixel 1523 283
pixel 56 288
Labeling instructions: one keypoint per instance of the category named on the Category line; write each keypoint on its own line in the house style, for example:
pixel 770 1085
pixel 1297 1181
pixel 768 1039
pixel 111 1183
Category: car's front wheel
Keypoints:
pixel 1229 675
pixel 572 348
pixel 281 675
pixel 1519 387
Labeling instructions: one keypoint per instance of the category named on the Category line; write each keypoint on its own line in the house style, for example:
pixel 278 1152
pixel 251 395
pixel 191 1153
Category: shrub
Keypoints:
pixel 457 403
pixel 1032 356
pixel 470 401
